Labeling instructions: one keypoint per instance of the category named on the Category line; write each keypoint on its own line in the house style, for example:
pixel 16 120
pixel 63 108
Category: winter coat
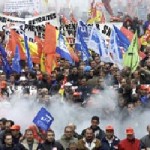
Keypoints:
pixel 35 144
pixel 50 145
pixel 65 142
pixel 129 144
pixel 14 147
pixel 145 141
pixel 107 146
pixel 83 145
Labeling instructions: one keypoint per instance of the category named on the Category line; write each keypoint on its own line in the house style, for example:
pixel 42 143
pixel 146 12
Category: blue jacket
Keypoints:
pixel 107 146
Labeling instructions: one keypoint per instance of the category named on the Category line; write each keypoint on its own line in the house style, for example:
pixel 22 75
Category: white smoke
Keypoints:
pixel 22 111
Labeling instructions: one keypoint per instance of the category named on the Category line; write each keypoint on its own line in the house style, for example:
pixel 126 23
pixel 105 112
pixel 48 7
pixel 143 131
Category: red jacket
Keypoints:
pixel 129 144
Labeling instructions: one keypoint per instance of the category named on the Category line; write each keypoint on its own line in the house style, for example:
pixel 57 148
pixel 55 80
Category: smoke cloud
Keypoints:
pixel 22 111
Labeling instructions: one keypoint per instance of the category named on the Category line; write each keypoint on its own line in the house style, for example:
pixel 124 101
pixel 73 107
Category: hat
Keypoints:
pixel 110 128
pixel 23 78
pixel 129 131
pixel 68 84
pixel 143 87
pixel 15 127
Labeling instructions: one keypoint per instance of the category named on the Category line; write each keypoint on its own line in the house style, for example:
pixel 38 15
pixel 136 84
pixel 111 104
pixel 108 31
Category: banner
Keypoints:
pixel 43 119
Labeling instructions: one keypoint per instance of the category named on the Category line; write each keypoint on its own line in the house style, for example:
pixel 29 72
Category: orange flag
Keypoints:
pixel 50 40
pixel 14 40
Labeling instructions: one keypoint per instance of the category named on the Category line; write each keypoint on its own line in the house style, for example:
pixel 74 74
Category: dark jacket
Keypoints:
pixel 145 141
pixel 112 146
pixel 99 133
pixel 14 147
pixel 50 145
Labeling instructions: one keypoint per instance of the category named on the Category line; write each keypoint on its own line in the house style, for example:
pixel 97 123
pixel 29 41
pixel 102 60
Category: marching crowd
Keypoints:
pixel 76 84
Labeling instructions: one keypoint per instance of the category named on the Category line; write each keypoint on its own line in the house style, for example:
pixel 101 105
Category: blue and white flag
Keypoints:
pixel 16 61
pixel 81 39
pixel 115 50
pixel 43 119
pixel 62 49
pixel 97 44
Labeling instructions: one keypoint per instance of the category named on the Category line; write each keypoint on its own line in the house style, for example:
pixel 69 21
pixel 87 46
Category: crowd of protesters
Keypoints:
pixel 80 81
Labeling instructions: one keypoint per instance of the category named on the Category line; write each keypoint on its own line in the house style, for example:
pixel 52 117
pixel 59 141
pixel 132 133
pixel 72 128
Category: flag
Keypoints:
pixel 29 61
pixel 42 63
pixel 123 41
pixel 131 57
pixel 97 44
pixel 16 61
pixel 115 50
pixel 6 67
pixel 62 49
pixel 43 119
pixel 49 46
pixel 81 40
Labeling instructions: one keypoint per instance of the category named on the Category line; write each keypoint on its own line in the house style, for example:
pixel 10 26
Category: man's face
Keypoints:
pixel 68 133
pixel 94 124
pixel 148 129
pixel 130 107
pixel 8 125
pixel 109 134
pixel 29 136
pixel 130 136
pixel 8 140
pixel 15 132
pixel 89 135
pixel 50 136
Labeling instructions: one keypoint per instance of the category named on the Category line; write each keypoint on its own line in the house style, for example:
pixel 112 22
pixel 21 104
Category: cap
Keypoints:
pixel 110 128
pixel 143 87
pixel 129 131
pixel 15 127
pixel 68 84
pixel 87 68
pixel 23 78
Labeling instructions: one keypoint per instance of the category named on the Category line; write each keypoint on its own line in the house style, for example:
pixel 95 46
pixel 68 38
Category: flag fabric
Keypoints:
pixel 81 40
pixel 43 119
pixel 115 50
pixel 97 44
pixel 16 61
pixel 6 67
pixel 62 48
pixel 42 63
pixel 14 40
pixel 131 57
pixel 49 46
pixel 123 41
pixel 29 61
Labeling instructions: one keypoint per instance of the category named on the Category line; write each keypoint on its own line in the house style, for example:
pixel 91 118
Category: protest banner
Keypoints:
pixel 43 119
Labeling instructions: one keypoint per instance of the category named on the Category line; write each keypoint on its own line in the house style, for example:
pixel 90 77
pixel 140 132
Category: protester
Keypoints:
pixel 145 141
pixel 67 137
pixel 110 141
pixel 130 142
pixel 29 142
pixel 50 142
pixel 89 141
pixel 99 133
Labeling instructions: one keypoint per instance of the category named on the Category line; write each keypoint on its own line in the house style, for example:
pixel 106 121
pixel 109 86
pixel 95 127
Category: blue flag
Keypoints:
pixel 29 61
pixel 122 39
pixel 81 40
pixel 16 61
pixel 43 119
pixel 62 49
pixel 6 67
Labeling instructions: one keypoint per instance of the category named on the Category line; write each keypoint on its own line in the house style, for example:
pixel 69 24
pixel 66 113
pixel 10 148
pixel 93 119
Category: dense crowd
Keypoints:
pixel 77 83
